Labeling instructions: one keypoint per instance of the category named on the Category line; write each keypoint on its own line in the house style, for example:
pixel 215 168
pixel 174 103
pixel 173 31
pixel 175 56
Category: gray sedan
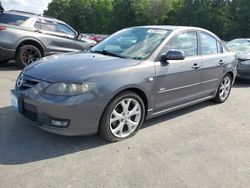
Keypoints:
pixel 135 74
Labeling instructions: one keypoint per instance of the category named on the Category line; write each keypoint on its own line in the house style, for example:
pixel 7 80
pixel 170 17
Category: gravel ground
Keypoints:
pixel 206 145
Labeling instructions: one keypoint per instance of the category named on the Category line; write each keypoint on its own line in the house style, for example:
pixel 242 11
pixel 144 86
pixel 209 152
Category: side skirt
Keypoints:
pixel 152 113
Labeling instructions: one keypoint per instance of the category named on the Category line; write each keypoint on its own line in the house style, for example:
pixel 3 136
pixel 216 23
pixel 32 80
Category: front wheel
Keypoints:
pixel 122 117
pixel 224 89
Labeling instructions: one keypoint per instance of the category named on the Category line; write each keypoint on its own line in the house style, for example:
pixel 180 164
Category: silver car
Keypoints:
pixel 27 37
pixel 135 74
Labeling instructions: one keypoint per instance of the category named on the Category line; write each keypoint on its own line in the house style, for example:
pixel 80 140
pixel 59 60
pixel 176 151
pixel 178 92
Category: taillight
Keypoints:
pixel 2 27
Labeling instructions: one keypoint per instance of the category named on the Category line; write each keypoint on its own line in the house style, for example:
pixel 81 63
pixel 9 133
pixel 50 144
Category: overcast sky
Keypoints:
pixel 35 6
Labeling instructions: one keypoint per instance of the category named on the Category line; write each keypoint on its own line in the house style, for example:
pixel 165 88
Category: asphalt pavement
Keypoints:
pixel 206 145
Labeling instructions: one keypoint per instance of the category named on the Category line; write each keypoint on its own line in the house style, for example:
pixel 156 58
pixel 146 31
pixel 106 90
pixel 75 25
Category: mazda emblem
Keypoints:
pixel 19 81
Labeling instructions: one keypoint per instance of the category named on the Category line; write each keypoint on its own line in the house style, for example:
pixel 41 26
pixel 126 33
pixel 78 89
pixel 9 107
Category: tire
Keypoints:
pixel 225 86
pixel 27 54
pixel 127 124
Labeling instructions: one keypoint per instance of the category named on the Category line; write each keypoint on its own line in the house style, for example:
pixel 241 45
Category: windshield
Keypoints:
pixel 134 43
pixel 239 46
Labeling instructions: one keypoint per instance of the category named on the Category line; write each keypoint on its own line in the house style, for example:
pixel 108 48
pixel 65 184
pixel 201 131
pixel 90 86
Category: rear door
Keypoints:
pixel 213 62
pixel 53 40
pixel 178 82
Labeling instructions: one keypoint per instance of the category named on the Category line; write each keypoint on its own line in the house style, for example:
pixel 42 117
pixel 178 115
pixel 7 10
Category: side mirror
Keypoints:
pixel 173 55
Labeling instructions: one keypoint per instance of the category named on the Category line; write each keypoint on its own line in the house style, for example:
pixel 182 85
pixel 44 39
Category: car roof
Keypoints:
pixel 171 27
pixel 178 28
pixel 31 15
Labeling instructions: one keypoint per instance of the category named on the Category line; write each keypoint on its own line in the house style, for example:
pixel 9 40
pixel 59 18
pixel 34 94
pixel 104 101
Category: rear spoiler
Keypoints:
pixel 1 7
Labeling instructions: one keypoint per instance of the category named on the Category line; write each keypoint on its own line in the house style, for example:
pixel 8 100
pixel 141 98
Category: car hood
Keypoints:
pixel 75 66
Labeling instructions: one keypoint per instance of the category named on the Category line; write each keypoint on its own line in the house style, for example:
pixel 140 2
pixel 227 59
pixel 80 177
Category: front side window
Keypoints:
pixel 208 44
pixel 133 43
pixel 64 29
pixel 12 19
pixel 186 42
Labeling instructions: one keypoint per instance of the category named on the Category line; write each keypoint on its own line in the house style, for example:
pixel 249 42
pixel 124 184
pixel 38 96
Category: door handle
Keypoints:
pixel 221 62
pixel 38 31
pixel 196 66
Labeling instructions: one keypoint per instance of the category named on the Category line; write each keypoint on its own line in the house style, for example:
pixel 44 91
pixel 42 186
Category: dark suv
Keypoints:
pixel 27 37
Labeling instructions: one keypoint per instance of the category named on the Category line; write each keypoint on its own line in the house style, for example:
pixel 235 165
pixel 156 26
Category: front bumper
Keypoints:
pixel 6 54
pixel 82 112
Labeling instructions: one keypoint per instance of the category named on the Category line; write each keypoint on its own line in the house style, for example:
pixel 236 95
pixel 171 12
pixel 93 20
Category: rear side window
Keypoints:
pixel 12 19
pixel 45 25
pixel 208 44
pixel 186 42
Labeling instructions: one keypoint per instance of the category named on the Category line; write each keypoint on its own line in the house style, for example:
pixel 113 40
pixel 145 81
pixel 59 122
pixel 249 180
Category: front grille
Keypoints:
pixel 25 82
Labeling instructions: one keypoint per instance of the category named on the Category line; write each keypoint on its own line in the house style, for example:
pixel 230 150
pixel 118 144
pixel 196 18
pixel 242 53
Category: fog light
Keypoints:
pixel 59 123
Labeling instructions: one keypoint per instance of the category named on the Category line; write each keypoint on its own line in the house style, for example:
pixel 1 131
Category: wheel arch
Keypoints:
pixel 231 74
pixel 140 92
pixel 31 41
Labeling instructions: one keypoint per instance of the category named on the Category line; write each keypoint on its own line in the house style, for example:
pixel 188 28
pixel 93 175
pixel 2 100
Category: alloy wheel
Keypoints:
pixel 125 117
pixel 30 55
pixel 225 88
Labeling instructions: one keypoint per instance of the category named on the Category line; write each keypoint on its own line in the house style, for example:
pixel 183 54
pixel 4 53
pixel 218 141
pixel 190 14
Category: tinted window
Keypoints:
pixel 186 42
pixel 12 19
pixel 64 29
pixel 208 44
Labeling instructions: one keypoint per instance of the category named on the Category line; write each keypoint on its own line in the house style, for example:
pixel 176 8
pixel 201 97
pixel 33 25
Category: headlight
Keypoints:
pixel 245 62
pixel 70 89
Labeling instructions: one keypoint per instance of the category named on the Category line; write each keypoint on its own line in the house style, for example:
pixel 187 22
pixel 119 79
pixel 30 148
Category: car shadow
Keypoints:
pixel 10 66
pixel 177 113
pixel 239 83
pixel 21 142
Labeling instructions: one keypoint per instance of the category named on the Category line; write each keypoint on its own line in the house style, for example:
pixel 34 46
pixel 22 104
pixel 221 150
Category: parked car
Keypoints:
pixel 97 37
pixel 242 48
pixel 115 86
pixel 27 37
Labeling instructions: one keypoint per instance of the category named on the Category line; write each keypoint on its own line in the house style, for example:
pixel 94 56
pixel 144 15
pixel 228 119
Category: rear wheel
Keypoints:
pixel 224 89
pixel 27 54
pixel 122 118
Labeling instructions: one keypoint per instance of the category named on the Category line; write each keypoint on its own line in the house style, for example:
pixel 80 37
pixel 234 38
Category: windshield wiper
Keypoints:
pixel 105 52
